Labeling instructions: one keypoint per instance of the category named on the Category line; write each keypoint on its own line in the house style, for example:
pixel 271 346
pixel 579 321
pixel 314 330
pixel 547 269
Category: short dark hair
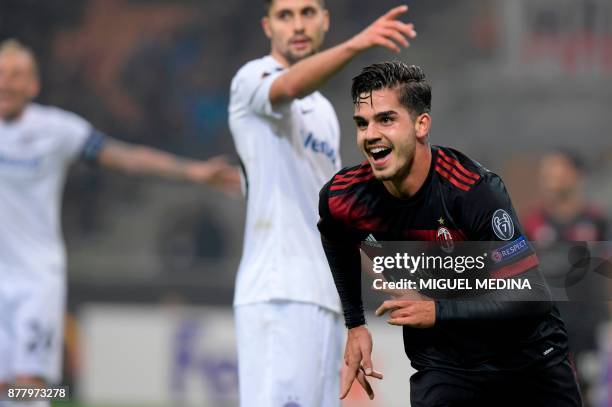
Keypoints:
pixel 414 90
pixel 571 156
pixel 268 4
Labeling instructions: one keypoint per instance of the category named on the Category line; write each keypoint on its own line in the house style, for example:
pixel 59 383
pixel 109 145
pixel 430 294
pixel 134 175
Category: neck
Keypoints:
pixel 13 116
pixel 407 185
pixel 280 58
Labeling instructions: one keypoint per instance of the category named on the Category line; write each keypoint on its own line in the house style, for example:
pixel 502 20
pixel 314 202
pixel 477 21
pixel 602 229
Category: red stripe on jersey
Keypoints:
pixel 345 209
pixel 345 178
pixel 454 171
pixel 431 235
pixel 451 179
pixel 339 206
pixel 457 164
pixel 352 174
pixel 516 268
pixel 351 181
pixel 359 169
pixel 368 223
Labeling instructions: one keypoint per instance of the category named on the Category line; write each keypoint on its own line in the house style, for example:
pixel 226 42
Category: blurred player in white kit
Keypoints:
pixel 37 145
pixel 288 323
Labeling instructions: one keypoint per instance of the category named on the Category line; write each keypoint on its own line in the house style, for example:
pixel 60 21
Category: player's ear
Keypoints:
pixel 325 20
pixel 265 24
pixel 422 125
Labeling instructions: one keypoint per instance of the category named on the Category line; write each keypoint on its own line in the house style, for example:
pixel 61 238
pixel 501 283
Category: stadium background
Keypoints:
pixel 152 263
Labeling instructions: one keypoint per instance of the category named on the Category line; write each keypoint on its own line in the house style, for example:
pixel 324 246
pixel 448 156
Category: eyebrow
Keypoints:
pixel 289 10
pixel 283 10
pixel 378 115
pixel 385 114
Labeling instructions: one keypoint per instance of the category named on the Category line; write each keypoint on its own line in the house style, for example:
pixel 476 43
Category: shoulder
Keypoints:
pixel 474 192
pixel 467 178
pixel 349 178
pixel 323 100
pixel 257 70
pixel 346 189
pixel 55 116
pixel 459 172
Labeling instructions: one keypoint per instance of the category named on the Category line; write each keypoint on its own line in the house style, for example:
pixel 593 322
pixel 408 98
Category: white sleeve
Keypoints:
pixel 76 134
pixel 251 90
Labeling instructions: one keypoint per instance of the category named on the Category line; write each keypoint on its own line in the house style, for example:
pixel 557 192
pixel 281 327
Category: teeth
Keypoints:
pixel 378 150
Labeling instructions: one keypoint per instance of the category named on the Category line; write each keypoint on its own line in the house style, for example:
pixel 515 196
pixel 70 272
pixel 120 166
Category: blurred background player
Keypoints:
pixel 564 215
pixel 37 145
pixel 287 136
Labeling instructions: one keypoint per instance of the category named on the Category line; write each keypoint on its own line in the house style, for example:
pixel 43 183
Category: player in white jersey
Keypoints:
pixel 37 145
pixel 287 135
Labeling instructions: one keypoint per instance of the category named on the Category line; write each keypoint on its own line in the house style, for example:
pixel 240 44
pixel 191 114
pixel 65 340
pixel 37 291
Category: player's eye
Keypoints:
pixel 309 12
pixel 284 15
pixel 386 120
pixel 361 124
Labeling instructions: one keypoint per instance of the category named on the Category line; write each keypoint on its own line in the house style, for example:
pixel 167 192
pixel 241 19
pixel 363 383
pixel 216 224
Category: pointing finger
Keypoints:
pixel 396 12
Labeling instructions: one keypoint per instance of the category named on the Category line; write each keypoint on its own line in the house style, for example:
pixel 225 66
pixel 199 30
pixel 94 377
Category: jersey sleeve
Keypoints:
pixel 342 252
pixel 251 90
pixel 79 137
pixel 490 218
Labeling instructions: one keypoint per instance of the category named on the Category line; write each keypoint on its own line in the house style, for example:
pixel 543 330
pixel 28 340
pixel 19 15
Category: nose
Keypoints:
pixel 298 24
pixel 371 133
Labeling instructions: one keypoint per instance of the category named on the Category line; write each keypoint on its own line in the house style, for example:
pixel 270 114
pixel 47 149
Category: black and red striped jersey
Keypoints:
pixel 460 200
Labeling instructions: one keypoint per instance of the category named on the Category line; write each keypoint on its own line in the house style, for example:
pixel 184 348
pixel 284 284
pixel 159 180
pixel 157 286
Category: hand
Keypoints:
pixel 416 314
pixel 216 172
pixel 387 31
pixel 358 361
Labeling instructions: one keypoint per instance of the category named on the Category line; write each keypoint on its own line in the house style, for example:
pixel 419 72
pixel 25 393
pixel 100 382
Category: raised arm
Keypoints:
pixel 137 159
pixel 311 73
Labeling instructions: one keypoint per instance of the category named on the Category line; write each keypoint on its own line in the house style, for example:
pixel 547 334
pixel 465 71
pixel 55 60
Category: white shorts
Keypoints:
pixel 288 355
pixel 31 329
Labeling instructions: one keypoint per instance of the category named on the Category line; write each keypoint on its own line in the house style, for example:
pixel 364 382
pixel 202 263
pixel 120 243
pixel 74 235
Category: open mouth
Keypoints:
pixel 378 153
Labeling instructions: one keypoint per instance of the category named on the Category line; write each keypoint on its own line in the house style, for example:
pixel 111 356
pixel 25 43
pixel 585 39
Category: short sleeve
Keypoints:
pixel 488 212
pixel 78 137
pixel 251 89
pixel 488 216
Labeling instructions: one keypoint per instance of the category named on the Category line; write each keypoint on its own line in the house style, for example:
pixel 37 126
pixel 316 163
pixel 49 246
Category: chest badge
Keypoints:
pixel 444 237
